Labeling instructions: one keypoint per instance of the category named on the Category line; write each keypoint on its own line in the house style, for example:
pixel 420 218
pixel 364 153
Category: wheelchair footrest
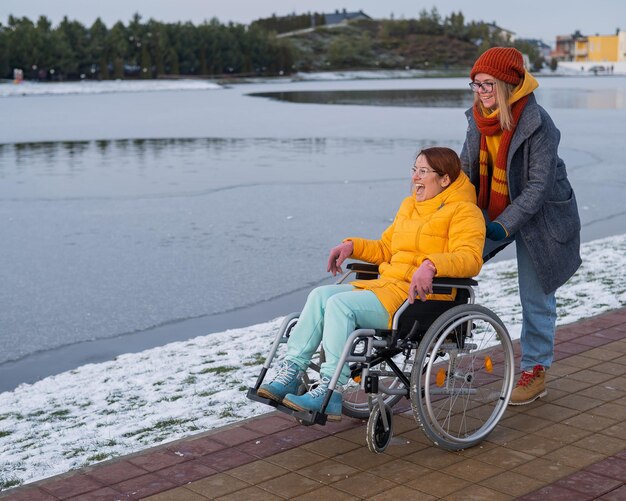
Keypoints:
pixel 305 417
pixel 252 395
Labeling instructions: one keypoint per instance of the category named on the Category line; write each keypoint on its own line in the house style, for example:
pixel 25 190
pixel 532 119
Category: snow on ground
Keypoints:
pixel 591 68
pixel 31 88
pixel 27 88
pixel 371 74
pixel 100 411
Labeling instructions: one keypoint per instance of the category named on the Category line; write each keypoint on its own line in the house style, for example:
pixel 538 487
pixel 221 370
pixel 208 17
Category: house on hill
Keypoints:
pixel 497 33
pixel 344 16
pixel 338 19
pixel 504 34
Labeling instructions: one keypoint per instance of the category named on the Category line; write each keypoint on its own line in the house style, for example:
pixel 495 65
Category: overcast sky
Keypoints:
pixel 527 18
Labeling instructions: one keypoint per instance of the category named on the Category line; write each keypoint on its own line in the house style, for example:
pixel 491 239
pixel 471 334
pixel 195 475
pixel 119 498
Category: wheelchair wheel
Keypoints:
pixel 355 400
pixel 462 377
pixel 378 439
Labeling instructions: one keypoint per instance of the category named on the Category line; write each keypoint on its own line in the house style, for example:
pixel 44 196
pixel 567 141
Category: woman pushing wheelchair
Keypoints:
pixel 511 155
pixel 438 231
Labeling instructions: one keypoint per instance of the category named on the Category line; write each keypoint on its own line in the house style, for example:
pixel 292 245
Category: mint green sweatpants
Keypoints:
pixel 330 315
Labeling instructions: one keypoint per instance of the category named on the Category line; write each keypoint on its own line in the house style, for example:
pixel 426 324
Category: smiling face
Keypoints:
pixel 426 182
pixel 487 98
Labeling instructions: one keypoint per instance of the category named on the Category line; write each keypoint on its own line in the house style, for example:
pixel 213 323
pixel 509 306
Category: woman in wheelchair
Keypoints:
pixel 438 230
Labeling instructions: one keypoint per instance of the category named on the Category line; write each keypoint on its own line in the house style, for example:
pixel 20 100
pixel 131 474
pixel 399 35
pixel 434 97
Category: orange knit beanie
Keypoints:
pixel 503 63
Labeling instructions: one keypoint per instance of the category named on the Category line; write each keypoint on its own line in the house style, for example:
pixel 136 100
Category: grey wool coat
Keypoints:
pixel 543 208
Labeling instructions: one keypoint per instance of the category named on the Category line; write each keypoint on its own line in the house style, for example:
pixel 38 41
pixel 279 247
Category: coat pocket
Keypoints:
pixel 562 219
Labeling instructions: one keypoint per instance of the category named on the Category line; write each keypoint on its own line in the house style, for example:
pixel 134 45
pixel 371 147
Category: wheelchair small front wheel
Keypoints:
pixel 462 377
pixel 379 438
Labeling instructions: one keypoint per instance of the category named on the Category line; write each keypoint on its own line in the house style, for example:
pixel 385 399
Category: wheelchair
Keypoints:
pixel 453 360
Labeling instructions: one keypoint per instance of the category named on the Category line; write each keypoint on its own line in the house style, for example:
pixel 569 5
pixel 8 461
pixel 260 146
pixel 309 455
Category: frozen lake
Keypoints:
pixel 132 219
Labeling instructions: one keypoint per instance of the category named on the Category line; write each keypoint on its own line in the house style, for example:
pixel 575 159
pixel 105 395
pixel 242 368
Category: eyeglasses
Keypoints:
pixel 421 171
pixel 485 86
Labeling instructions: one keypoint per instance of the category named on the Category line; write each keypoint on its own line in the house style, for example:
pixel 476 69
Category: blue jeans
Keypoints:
pixel 538 313
pixel 538 308
pixel 330 315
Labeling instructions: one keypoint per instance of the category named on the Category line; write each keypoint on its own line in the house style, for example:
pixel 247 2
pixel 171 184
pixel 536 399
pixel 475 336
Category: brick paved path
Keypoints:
pixel 570 445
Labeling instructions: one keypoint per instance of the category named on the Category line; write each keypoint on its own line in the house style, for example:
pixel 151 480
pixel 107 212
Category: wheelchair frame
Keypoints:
pixel 449 336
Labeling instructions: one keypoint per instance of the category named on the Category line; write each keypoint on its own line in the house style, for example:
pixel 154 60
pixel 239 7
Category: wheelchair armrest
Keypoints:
pixel 444 285
pixel 367 267
pixel 364 271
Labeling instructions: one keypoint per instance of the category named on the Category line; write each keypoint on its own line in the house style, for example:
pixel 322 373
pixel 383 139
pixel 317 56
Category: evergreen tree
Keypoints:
pixel 155 35
pixel 74 41
pixel 42 48
pixel 135 52
pixel 5 67
pixel 118 42
pixel 454 25
pixel 99 49
pixel 429 23
pixel 20 43
pixel 186 43
pixel 146 62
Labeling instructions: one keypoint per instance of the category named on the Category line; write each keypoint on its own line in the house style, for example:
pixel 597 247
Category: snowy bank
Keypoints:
pixel 26 88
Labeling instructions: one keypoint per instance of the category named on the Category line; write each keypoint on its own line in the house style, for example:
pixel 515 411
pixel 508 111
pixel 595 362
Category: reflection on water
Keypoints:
pixel 589 99
pixel 118 169
pixel 611 98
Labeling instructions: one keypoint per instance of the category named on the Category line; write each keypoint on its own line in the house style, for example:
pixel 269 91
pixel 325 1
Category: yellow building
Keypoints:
pixel 601 48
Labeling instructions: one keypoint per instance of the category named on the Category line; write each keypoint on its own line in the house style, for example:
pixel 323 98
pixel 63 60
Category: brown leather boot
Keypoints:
pixel 530 387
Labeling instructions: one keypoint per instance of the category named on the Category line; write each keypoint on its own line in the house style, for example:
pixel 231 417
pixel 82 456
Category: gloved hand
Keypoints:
pixel 338 255
pixel 422 281
pixel 495 231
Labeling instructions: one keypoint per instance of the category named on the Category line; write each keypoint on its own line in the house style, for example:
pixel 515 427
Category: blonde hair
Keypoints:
pixel 504 91
pixel 503 98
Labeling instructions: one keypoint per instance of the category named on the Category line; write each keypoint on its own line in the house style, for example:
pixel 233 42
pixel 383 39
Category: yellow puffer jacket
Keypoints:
pixel 448 229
